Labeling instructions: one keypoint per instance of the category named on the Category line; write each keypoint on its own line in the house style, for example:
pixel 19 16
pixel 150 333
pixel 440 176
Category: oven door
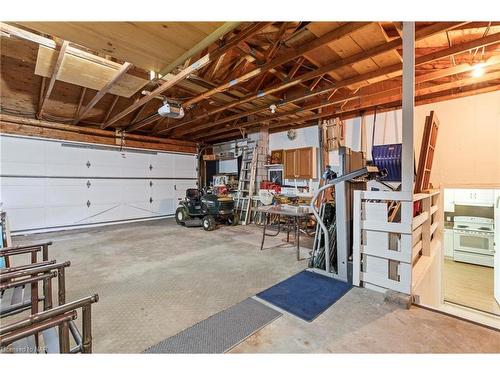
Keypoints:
pixel 473 242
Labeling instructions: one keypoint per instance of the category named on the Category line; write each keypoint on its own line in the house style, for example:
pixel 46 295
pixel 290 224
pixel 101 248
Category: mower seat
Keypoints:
pixel 193 195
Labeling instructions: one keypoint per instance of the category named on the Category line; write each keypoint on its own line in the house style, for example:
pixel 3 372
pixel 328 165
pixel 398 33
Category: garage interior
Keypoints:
pixel 250 187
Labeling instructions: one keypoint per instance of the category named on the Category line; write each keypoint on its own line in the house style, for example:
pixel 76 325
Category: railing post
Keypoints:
pixel 408 105
pixel 87 329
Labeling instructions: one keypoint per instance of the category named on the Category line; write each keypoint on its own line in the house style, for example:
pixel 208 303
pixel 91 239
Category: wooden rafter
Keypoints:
pixel 110 110
pixel 53 78
pixel 349 112
pixel 280 60
pixel 393 69
pixel 380 95
pixel 80 102
pixel 296 67
pixel 361 56
pixel 100 94
pixel 248 32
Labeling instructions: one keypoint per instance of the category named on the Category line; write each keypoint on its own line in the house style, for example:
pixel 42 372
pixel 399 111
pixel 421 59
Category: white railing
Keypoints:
pixel 394 254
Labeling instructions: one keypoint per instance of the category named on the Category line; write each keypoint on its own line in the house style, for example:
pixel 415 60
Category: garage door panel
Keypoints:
pixel 104 191
pixel 138 210
pixel 136 165
pixel 67 215
pixel 165 206
pixel 26 218
pixel 162 189
pixel 105 163
pixel 100 213
pixel 23 192
pixel 22 156
pixel 136 190
pixel 66 192
pixel 185 166
pixel 66 161
pixel 162 165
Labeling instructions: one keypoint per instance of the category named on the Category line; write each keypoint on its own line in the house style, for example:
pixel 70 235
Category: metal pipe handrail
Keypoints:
pixel 13 252
pixel 8 338
pixel 30 246
pixel 29 280
pixel 43 315
pixel 28 266
pixel 32 271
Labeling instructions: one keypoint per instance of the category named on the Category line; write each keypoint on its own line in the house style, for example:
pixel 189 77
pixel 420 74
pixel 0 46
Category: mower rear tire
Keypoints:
pixel 233 220
pixel 209 223
pixel 181 215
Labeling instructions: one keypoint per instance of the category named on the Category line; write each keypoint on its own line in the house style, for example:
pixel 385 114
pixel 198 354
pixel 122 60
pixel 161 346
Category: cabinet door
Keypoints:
pixel 449 200
pixel 304 165
pixel 289 164
pixel 485 196
pixel 464 196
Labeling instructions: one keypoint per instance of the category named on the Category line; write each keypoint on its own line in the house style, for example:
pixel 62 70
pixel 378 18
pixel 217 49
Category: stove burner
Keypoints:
pixel 462 226
pixel 484 228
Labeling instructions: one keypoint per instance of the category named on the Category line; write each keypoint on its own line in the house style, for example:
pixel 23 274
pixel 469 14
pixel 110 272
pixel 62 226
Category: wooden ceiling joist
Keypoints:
pixel 170 82
pixel 110 110
pixel 447 94
pixel 389 93
pixel 395 69
pixel 280 60
pixel 100 94
pixel 358 57
pixel 53 78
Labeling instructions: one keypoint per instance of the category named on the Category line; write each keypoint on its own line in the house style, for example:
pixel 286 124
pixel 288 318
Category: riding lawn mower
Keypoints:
pixel 202 208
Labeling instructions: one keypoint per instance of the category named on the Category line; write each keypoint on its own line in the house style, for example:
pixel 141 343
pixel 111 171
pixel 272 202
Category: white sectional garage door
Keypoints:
pixel 51 184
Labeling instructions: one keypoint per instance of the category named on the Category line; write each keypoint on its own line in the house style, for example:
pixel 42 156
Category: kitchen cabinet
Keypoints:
pixel 449 200
pixel 448 243
pixel 474 197
pixel 300 163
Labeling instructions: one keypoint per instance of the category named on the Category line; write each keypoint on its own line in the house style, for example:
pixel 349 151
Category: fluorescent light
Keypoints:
pixel 478 70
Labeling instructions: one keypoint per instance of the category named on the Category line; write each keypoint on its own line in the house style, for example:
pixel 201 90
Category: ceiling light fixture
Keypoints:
pixel 478 70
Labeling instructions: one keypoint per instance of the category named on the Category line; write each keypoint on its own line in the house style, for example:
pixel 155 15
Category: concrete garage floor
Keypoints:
pixel 155 279
pixel 361 322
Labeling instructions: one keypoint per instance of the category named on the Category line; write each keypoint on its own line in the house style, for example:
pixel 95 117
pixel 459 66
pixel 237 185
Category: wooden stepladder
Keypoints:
pixel 427 150
pixel 246 184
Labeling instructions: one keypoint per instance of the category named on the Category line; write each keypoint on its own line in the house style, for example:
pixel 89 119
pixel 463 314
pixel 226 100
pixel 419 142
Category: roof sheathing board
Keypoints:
pixel 148 45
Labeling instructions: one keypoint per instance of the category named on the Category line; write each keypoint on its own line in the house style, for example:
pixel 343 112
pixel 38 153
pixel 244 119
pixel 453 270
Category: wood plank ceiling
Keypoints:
pixel 108 76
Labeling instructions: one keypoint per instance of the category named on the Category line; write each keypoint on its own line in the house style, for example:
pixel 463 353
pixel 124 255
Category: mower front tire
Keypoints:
pixel 209 223
pixel 233 220
pixel 181 215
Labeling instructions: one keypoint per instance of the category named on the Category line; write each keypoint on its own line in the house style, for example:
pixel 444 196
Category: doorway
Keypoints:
pixel 471 257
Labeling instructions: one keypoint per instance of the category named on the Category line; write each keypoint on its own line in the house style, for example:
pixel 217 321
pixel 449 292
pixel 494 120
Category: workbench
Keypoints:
pixel 294 216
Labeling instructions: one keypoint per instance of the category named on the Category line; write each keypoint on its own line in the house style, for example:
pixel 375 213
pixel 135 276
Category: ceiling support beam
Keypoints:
pixel 408 107
pixel 200 46
pixel 393 70
pixel 373 99
pixel 110 109
pixel 361 56
pixel 108 86
pixel 336 34
pixel 80 102
pixel 53 78
pixel 447 94
pixel 208 58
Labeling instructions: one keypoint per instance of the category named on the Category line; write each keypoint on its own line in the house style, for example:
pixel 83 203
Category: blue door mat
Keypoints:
pixel 306 294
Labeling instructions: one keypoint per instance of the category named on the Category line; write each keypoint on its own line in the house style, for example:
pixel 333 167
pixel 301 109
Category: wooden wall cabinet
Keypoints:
pixel 300 163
